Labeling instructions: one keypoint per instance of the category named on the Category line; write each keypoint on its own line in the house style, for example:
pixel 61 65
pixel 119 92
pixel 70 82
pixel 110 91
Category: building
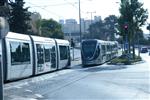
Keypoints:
pixel 61 22
pixel 71 28
pixel 35 17
pixel 97 18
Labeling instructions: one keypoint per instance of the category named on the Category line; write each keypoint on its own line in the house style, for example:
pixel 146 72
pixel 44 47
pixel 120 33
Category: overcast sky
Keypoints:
pixel 66 9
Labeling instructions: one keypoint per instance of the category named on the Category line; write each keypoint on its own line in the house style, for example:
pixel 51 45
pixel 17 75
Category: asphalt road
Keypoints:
pixel 105 82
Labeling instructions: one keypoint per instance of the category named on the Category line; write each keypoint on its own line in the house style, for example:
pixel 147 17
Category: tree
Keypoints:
pixel 19 17
pixel 97 30
pixel 111 23
pixel 2 2
pixel 148 28
pixel 51 28
pixel 104 29
pixel 134 15
pixel 139 36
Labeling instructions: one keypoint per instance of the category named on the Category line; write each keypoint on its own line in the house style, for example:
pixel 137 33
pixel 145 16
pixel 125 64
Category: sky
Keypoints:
pixel 69 9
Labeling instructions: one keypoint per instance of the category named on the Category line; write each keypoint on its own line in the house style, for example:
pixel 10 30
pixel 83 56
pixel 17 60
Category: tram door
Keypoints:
pixel 63 56
pixel 49 57
pixel 40 58
pixel 53 58
pixel 45 58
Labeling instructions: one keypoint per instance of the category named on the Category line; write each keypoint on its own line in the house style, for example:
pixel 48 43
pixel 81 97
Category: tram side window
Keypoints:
pixel 107 47
pixel 103 49
pixel 47 53
pixel 53 57
pixel 113 47
pixel 63 52
pixel 97 53
pixel 20 53
pixel 40 53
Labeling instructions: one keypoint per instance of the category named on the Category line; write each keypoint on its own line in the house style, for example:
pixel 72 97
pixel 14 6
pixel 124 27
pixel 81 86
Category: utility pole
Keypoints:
pixel 80 24
pixel 91 15
pixel 1 72
pixel 138 43
pixel 3 30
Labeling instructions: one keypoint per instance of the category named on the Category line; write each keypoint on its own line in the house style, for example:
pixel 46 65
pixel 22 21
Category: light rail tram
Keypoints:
pixel 94 51
pixel 27 55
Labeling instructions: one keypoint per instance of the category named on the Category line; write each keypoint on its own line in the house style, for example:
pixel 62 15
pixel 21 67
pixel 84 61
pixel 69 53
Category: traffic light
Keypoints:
pixel 125 27
pixel 2 2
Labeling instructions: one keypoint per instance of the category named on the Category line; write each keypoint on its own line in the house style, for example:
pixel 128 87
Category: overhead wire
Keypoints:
pixel 44 8
pixel 59 4
pixel 73 4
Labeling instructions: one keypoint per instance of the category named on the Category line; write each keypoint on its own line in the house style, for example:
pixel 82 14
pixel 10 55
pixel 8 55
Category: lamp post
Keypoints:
pixel 91 15
pixel 2 14
pixel 4 27
pixel 1 69
pixel 80 32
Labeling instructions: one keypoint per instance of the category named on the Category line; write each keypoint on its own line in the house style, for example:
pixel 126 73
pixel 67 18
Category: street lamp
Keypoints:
pixel 91 15
pixel 4 28
pixel 80 23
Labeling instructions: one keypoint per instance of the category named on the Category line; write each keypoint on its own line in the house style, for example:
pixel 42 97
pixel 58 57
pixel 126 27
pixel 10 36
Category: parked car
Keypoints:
pixel 144 50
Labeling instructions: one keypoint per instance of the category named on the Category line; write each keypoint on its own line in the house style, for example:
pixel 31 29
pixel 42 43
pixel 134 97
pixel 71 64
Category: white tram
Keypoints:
pixel 25 55
pixel 94 51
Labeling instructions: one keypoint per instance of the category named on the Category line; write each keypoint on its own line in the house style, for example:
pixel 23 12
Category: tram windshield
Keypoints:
pixel 88 48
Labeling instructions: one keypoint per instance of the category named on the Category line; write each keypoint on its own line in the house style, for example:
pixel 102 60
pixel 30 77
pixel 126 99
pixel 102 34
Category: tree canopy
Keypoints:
pixel 104 29
pixel 51 28
pixel 134 16
pixel 19 17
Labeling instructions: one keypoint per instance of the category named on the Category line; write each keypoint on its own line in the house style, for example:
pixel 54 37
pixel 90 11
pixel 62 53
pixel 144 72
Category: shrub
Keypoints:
pixel 125 59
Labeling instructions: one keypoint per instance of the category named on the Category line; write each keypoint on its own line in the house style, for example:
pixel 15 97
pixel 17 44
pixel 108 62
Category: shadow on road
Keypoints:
pixel 105 68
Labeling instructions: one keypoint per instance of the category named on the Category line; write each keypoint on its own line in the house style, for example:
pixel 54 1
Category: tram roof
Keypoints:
pixel 62 42
pixel 92 40
pixel 101 41
pixel 18 36
pixel 42 39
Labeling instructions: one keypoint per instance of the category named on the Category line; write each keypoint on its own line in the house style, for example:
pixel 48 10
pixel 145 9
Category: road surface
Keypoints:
pixel 104 82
